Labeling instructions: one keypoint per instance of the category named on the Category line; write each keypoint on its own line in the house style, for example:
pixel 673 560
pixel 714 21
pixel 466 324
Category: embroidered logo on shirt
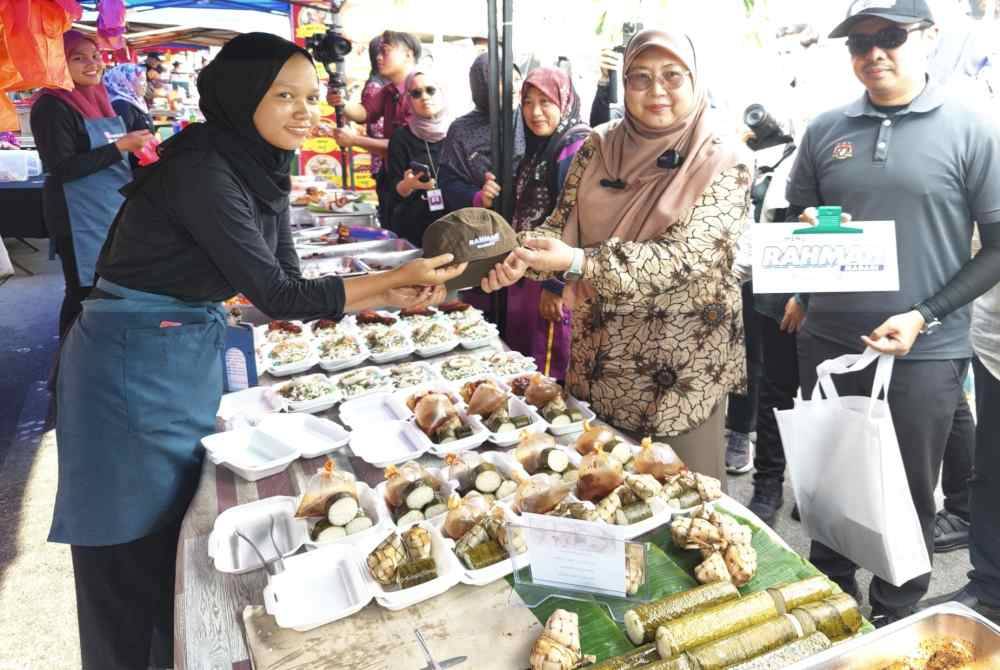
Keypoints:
pixel 843 151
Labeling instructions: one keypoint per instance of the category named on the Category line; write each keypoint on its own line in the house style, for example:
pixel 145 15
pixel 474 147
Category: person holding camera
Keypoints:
pixel 645 235
pixel 415 200
pixel 906 151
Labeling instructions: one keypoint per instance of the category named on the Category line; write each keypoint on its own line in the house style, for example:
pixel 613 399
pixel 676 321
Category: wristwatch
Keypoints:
pixel 931 322
pixel 575 271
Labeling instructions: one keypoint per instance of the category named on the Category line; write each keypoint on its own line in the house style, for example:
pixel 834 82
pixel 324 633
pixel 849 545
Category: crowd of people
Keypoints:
pixel 624 285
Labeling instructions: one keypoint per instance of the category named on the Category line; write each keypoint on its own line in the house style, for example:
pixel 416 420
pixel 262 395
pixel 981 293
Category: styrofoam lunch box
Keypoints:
pixel 576 426
pixel 474 441
pixel 478 367
pixel 489 574
pixel 516 407
pixel 375 509
pixel 371 410
pixel 234 556
pixel 289 369
pixel 445 490
pixel 337 364
pixel 251 453
pixel 261 334
pixel 399 400
pixel 313 435
pixel 247 408
pixel 525 364
pixel 437 349
pixel 389 443
pixel 383 378
pixel 317 405
pixel 429 375
pixel 505 463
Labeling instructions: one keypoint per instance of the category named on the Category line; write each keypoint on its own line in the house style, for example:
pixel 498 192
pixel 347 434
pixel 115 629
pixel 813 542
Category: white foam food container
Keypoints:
pixel 662 513
pixel 262 334
pixel 473 366
pixel 317 405
pixel 372 410
pixel 246 408
pixel 517 407
pixel 504 462
pixel 379 381
pixel 445 490
pixel 389 443
pixel 345 325
pixel 250 452
pixel 480 342
pixel 393 355
pixel 312 435
pixel 449 571
pixel 399 399
pixel 489 574
pixel 474 441
pixel 576 426
pixel 410 375
pixel 437 349
pixel 337 364
pixel 292 368
pixel 232 555
pixel 572 454
pixel 374 508
pixel 316 588
pixel 504 363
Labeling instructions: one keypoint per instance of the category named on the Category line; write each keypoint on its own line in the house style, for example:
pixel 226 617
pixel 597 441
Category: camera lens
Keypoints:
pixel 754 115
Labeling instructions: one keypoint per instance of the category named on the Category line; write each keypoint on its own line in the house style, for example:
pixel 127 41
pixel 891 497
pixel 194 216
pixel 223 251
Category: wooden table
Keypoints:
pixel 490 625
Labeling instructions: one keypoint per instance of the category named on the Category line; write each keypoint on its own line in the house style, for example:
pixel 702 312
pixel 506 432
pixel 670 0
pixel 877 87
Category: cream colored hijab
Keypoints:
pixel 654 199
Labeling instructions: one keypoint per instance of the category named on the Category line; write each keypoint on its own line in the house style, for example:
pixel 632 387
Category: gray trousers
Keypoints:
pixel 924 397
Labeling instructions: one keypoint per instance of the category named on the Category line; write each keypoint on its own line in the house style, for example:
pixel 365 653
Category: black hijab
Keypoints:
pixel 231 87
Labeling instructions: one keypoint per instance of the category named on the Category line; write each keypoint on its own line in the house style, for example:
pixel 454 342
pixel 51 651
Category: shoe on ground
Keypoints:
pixel 951 532
pixel 795 513
pixel 849 585
pixel 965 596
pixel 767 500
pixel 882 617
pixel 739 453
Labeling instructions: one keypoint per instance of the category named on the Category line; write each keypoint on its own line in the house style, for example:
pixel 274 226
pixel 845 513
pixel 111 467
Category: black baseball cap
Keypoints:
pixel 897 11
pixel 475 235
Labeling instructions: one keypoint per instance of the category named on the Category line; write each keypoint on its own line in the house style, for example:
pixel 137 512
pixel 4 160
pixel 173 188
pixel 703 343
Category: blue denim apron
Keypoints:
pixel 93 201
pixel 135 394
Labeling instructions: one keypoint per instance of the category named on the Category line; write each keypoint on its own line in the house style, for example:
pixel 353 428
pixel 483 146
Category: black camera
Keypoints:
pixel 767 131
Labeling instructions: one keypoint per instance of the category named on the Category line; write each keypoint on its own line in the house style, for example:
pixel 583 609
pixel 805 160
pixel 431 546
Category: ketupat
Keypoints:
pixel 641 622
pixel 635 568
pixel 385 560
pixel 558 647
pixel 788 655
pixel 714 623
pixel 417 541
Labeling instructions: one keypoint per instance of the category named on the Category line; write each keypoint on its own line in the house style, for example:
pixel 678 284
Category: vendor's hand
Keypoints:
pixel 411 182
pixel 345 137
pixel 795 316
pixel 504 274
pixel 551 306
pixel 429 271
pixel 134 141
pixel 415 296
pixel 897 335
pixel 546 254
pixel 811 216
pixel 610 60
pixel 491 190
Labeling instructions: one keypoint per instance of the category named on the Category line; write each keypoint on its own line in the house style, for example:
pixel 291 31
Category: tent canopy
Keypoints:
pixel 274 6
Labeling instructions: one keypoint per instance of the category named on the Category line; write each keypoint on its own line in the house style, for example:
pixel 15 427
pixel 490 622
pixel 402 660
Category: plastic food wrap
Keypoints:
pixel 324 488
pixel 464 513
pixel 460 468
pixel 435 413
pixel 594 437
pixel 540 494
pixel 484 398
pixel 600 474
pixel 529 451
pixel 541 391
pixel 400 480
pixel 659 460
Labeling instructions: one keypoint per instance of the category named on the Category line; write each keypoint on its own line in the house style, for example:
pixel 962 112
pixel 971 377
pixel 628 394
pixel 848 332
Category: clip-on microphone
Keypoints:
pixel 669 160
pixel 615 184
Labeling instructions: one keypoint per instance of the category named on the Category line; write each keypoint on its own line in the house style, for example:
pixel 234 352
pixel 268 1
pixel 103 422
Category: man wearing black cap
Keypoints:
pixel 909 152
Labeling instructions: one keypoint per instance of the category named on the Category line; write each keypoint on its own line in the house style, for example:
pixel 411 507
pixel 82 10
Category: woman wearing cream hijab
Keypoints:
pixel 647 224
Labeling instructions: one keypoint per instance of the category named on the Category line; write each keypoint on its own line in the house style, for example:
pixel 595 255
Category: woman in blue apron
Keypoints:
pixel 141 369
pixel 82 143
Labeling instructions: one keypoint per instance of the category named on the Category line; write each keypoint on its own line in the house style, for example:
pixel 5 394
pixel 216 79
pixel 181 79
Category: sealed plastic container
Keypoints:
pixel 14 165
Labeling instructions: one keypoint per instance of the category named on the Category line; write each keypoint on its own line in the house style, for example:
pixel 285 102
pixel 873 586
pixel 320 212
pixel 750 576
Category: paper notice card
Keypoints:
pixel 574 555
pixel 794 258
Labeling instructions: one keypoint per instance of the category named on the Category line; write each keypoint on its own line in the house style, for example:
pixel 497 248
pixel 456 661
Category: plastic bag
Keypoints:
pixel 484 398
pixel 399 480
pixel 541 391
pixel 540 494
pixel 111 24
pixel 8 115
pixel 529 450
pixel 34 34
pixel 435 413
pixel 600 474
pixel 461 466
pixel 659 460
pixel 464 513
pixel 594 437
pixel 323 488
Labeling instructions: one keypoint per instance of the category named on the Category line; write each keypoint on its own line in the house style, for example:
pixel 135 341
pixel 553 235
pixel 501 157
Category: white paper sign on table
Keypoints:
pixel 568 554
pixel 784 262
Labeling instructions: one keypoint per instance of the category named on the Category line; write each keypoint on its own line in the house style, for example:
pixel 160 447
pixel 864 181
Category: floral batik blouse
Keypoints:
pixel 661 344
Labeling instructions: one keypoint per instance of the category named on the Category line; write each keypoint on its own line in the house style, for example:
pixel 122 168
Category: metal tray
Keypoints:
pixel 387 260
pixel 340 266
pixel 356 249
pixel 368 219
pixel 902 639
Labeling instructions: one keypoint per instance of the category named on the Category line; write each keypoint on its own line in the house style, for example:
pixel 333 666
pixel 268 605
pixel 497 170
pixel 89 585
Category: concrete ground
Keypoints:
pixel 37 604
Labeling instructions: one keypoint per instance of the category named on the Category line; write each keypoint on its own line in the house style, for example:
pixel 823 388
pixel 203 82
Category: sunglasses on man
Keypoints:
pixel 892 37
pixel 418 93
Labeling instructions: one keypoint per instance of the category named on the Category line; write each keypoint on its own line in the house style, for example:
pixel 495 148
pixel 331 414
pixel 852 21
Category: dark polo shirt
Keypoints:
pixel 933 168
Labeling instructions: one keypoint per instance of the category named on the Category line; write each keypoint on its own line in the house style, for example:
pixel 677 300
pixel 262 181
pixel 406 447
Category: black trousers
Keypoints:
pixel 75 294
pixel 778 385
pixel 125 602
pixel 924 398
pixel 741 415
pixel 984 547
pixel 957 467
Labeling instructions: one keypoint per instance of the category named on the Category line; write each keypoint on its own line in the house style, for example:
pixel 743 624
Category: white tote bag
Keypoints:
pixel 848 476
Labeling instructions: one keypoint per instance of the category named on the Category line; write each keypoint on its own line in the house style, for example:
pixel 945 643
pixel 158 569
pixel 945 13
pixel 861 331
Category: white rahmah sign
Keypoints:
pixel 786 260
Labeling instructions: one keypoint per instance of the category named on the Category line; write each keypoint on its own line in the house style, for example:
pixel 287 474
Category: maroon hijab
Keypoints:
pixel 91 101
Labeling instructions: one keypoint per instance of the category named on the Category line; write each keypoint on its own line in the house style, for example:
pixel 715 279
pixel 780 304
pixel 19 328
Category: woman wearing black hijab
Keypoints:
pixel 141 371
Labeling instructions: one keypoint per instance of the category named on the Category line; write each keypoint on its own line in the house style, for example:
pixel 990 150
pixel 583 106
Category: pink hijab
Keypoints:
pixel 654 199
pixel 91 101
pixel 554 85
pixel 435 128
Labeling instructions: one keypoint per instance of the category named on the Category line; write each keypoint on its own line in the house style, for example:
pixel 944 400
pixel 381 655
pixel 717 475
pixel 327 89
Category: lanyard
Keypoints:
pixel 430 161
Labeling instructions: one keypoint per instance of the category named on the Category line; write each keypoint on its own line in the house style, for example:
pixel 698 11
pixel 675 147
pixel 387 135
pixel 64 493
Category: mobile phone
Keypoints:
pixel 424 171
